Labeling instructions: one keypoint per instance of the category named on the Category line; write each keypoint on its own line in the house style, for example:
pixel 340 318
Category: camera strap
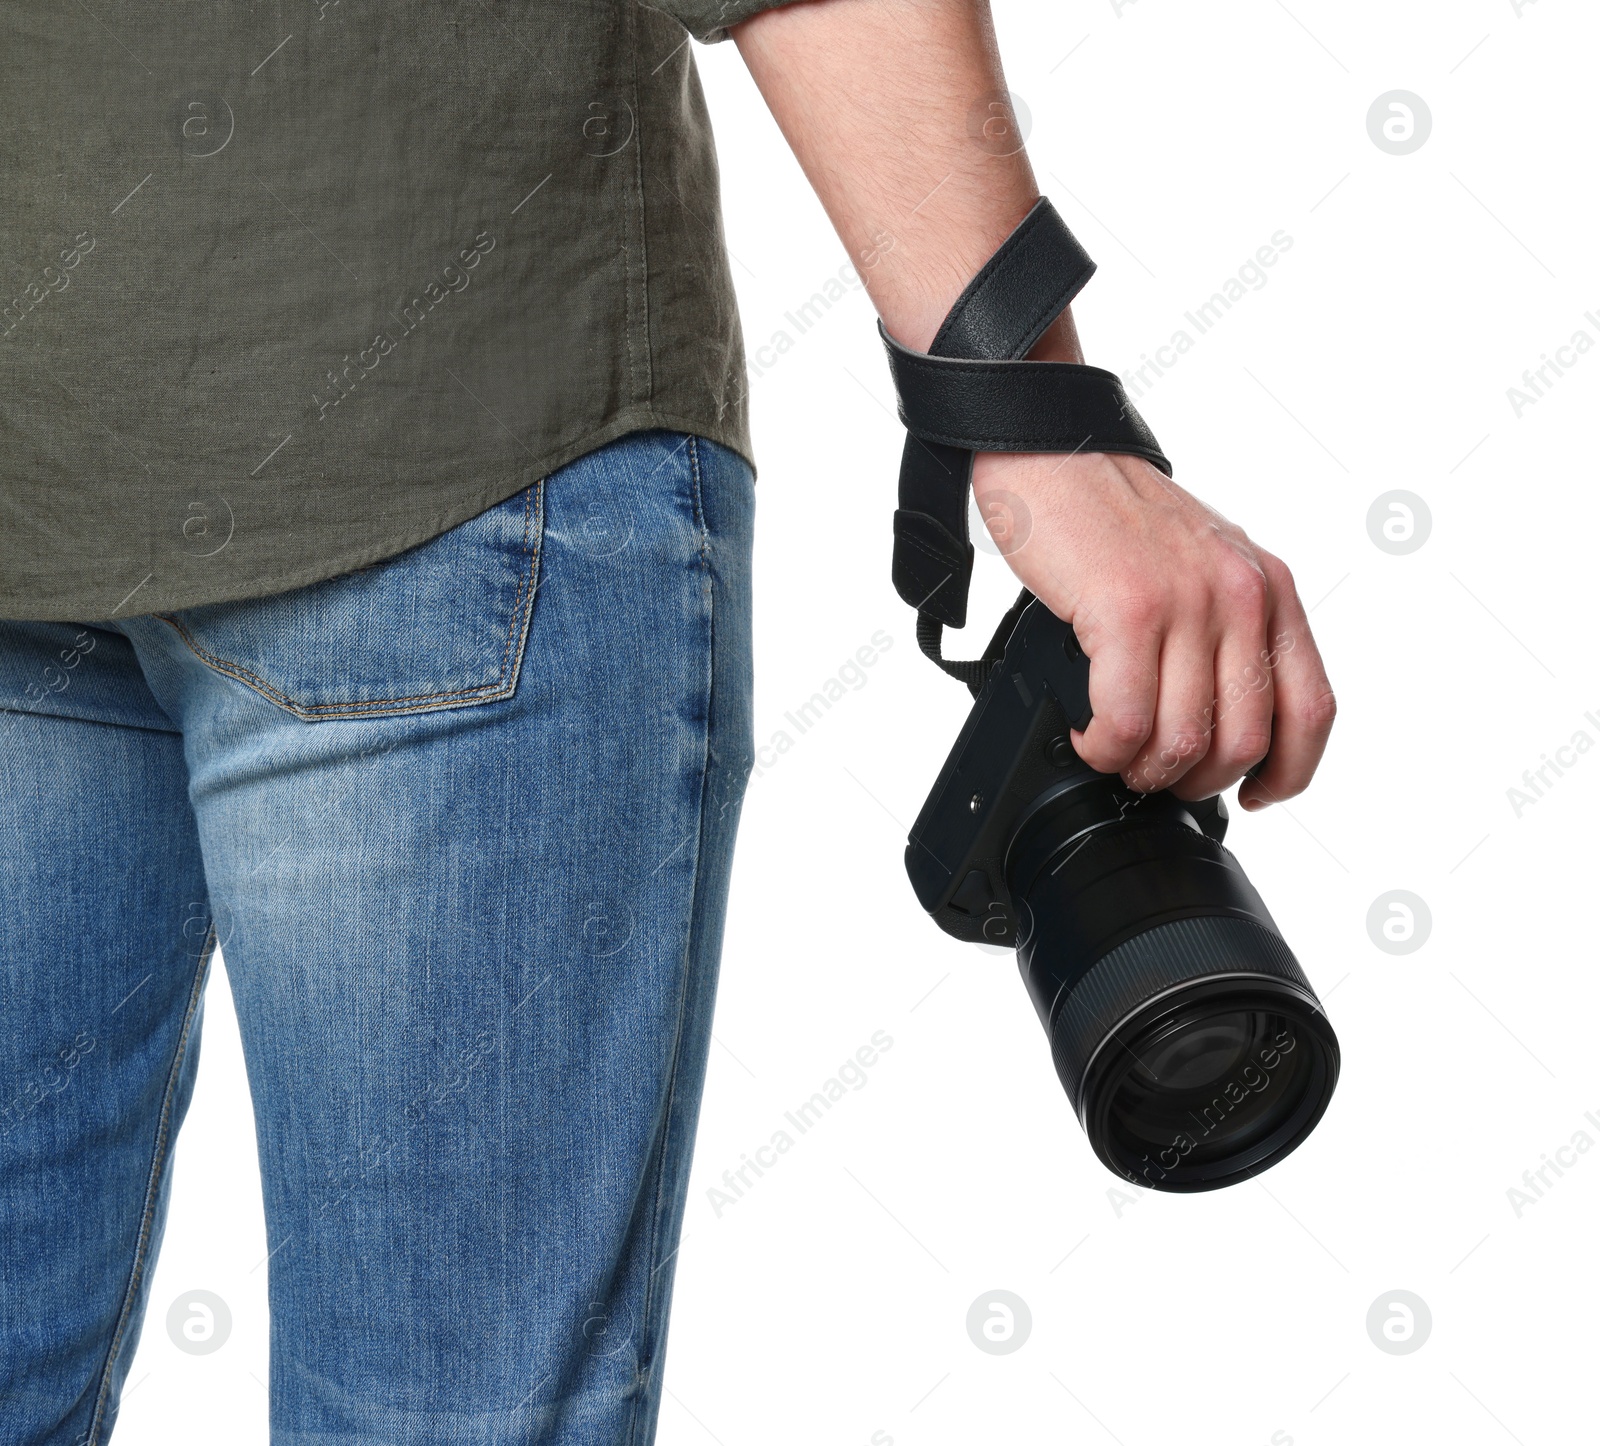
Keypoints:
pixel 970 392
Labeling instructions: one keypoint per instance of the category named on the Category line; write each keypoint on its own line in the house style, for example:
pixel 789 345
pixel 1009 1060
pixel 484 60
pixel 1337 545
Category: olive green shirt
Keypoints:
pixel 289 286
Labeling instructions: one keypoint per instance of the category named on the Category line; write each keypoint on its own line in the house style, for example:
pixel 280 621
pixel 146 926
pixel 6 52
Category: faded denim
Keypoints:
pixel 462 823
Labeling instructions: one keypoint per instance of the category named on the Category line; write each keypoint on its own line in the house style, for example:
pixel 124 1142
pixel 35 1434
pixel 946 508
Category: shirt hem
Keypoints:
pixel 37 605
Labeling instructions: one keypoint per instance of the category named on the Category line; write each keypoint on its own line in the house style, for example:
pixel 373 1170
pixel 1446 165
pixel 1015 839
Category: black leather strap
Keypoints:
pixel 1017 406
pixel 972 392
pixel 1022 288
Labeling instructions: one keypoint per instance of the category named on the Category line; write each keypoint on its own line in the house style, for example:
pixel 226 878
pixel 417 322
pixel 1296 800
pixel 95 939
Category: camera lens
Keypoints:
pixel 1185 1032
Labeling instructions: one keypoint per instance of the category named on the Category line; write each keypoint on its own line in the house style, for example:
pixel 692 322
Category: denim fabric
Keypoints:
pixel 462 824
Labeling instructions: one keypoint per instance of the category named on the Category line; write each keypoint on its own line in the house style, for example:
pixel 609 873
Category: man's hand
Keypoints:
pixel 1199 650
pixel 1201 662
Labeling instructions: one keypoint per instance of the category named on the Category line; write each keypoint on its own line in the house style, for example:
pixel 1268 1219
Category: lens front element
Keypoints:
pixel 1209 1084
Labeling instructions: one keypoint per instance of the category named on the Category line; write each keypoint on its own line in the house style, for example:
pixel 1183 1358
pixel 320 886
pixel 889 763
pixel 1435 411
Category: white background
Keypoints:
pixel 829 1304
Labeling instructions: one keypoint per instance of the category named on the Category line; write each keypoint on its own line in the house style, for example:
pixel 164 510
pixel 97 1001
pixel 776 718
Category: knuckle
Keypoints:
pixel 1247 747
pixel 1277 572
pixel 1244 588
pixel 1097 635
pixel 1127 730
pixel 1319 710
pixel 1141 608
pixel 1183 747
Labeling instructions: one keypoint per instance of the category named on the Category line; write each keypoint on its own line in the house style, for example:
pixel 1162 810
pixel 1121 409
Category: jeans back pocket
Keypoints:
pixel 441 625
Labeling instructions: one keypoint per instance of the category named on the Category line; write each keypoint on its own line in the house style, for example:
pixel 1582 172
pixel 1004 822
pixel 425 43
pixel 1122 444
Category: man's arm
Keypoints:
pixel 1200 652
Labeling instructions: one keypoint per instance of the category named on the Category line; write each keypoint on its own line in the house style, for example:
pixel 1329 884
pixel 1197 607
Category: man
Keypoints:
pixel 376 553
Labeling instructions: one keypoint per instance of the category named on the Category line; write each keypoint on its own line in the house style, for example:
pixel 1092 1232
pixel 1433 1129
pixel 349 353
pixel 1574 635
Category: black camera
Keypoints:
pixel 1186 1035
pixel 1188 1038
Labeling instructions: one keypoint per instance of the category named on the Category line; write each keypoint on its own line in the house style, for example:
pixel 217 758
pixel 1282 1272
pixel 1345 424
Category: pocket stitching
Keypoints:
pixel 377 708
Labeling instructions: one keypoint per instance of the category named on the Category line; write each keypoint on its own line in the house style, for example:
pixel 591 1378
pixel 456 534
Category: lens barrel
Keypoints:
pixel 1185 1033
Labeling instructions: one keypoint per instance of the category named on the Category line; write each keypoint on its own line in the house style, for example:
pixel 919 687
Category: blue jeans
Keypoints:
pixel 462 824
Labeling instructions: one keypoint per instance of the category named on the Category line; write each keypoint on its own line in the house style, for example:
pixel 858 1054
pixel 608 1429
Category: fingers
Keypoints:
pixel 1124 659
pixel 1241 716
pixel 1202 667
pixel 1197 709
pixel 1182 732
pixel 1303 707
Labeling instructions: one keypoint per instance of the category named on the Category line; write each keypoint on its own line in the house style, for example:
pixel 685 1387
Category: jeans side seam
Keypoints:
pixel 646 1362
pixel 699 510
pixel 158 1165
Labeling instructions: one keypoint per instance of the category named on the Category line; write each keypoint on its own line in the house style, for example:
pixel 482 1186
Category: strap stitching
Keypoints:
pixel 945 560
pixel 903 357
pixel 1050 444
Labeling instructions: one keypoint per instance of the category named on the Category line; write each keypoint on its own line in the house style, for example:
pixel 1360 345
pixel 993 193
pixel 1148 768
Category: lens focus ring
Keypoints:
pixel 1161 959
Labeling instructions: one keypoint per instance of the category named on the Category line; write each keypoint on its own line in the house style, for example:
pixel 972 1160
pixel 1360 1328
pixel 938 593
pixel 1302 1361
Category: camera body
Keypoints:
pixel 1013 757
